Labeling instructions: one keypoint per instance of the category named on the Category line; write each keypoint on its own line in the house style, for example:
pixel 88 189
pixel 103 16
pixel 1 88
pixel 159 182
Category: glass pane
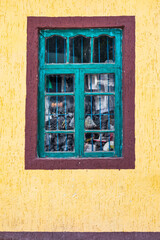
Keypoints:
pixel 80 51
pixel 55 50
pixel 59 142
pixel 60 83
pixel 94 142
pixel 104 49
pixel 59 113
pixel 99 112
pixel 100 82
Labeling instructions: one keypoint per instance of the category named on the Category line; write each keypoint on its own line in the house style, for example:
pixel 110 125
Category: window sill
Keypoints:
pixel 80 163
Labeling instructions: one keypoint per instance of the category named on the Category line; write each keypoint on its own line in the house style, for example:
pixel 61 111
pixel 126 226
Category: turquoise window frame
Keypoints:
pixel 79 70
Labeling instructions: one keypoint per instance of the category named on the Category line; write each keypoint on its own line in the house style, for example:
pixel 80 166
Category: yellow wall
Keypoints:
pixel 79 200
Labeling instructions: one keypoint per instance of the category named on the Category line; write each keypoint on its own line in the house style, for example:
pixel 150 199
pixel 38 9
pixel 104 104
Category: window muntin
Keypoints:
pixel 109 93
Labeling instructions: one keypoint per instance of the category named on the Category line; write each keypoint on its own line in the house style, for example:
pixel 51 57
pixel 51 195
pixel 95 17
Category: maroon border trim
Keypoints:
pixel 34 24
pixel 79 235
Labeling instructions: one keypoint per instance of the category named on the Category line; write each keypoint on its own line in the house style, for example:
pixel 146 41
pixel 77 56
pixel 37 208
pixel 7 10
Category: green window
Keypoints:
pixel 80 93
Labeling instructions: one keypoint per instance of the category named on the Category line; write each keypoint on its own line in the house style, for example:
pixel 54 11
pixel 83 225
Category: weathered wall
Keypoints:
pixel 79 200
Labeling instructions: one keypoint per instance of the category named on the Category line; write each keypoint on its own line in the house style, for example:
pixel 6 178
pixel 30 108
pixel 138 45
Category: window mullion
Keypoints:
pixel 77 113
pixel 81 113
pixel 67 49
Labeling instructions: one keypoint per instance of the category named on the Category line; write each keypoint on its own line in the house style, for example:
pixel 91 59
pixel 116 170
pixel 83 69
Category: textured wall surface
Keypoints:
pixel 79 200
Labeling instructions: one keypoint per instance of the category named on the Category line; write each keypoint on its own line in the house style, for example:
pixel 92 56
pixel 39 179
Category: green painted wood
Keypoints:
pixel 98 68
pixel 59 154
pixel 79 71
pixel 41 115
pixel 81 114
pixel 108 66
pixel 63 70
pixel 118 100
pixel 67 49
pixel 116 123
pixel 85 32
pixel 99 154
pixel 59 94
pixel 59 131
pixel 121 106
pixel 41 51
pixel 99 93
pixel 76 116
pixel 117 82
pixel 99 131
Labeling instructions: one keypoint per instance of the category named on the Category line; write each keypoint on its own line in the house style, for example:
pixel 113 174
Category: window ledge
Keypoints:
pixel 80 163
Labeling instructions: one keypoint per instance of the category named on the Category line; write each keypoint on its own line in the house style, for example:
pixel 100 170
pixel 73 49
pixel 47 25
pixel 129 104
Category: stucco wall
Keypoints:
pixel 79 200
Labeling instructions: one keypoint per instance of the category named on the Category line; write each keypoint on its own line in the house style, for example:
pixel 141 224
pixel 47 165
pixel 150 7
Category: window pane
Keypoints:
pixel 104 50
pixel 80 51
pixel 99 112
pixel 100 82
pixel 59 142
pixel 55 50
pixel 60 83
pixel 94 142
pixel 59 112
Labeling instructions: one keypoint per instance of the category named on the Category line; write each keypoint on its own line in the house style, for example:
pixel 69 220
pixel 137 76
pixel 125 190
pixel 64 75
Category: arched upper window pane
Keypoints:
pixel 104 49
pixel 80 50
pixel 55 50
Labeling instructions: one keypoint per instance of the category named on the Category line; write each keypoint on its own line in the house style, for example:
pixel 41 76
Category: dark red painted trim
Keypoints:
pixel 34 24
pixel 80 235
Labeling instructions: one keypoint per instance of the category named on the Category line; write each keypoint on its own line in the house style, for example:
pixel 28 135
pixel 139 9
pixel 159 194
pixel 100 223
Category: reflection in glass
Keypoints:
pixel 94 104
pixel 100 82
pixel 94 142
pixel 55 50
pixel 59 83
pixel 104 50
pixel 99 112
pixel 80 51
pixel 59 142
pixel 59 112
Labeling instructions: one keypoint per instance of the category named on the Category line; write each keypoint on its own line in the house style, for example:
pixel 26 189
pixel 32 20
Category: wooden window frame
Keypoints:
pixel 34 25
pixel 79 70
